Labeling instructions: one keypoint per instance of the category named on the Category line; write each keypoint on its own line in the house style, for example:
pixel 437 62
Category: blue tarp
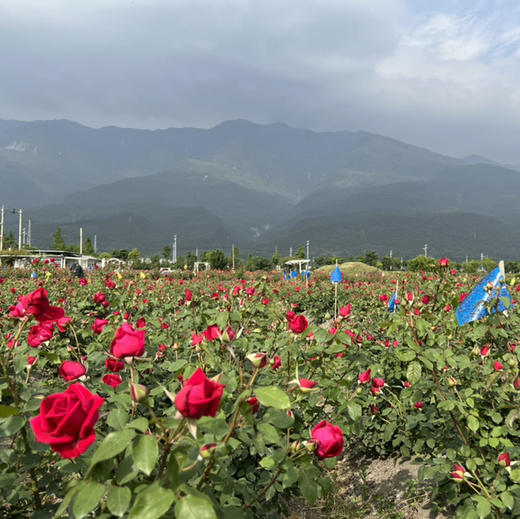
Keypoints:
pixel 473 307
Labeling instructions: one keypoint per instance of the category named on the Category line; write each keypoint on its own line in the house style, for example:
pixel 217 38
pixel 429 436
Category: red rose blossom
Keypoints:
pixel 71 370
pixel 328 439
pixel 199 396
pixel 66 421
pixel 128 342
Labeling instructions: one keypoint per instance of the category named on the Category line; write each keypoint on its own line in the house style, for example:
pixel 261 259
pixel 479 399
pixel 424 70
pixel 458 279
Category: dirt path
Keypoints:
pixel 372 489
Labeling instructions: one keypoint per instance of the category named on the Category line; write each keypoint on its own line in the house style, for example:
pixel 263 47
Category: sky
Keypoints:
pixel 441 74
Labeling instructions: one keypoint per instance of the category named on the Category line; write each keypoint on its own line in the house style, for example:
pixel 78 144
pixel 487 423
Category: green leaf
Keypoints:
pixel 405 355
pixel 11 425
pixel 508 500
pixel 515 475
pixel 7 410
pixel 413 373
pixel 68 499
pixel 146 453
pixel 118 500
pixel 272 396
pixel 194 507
pixel 117 418
pixel 86 500
pixel 269 433
pixel 141 424
pixel 354 411
pixel 152 503
pixel 267 462
pixel 308 484
pixel 483 506
pixel 112 445
pixel 473 423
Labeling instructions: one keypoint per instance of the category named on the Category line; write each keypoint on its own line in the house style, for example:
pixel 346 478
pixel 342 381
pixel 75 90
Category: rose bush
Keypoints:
pixel 217 407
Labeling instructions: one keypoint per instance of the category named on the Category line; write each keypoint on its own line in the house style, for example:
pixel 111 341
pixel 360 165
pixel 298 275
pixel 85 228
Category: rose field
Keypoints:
pixel 230 395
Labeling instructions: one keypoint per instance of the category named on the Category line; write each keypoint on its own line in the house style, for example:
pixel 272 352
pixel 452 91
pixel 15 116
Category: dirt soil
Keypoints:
pixel 373 488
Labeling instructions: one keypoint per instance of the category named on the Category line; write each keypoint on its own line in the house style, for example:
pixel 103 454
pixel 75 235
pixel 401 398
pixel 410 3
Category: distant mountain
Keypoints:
pixel 256 186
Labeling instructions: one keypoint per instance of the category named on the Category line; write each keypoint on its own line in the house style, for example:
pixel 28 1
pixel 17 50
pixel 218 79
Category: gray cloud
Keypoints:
pixel 446 80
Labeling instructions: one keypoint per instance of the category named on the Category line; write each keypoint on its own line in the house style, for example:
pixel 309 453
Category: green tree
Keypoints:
pixel 89 248
pixel 217 259
pixel 58 241
pixel 191 258
pixel 300 253
pixel 371 258
pixel 134 256
pixel 10 242
pixel 276 259
pixel 120 254
pixel 167 252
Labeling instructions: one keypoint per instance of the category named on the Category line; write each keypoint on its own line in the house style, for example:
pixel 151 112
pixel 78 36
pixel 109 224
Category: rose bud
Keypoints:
pixel 259 360
pixel 458 473
pixel 504 460
pixel 306 385
pixel 207 450
pixel 139 392
pixel 275 362
pixel 254 404
pixel 418 405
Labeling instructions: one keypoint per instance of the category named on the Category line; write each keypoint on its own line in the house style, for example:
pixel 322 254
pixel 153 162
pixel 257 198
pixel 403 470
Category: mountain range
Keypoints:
pixel 259 187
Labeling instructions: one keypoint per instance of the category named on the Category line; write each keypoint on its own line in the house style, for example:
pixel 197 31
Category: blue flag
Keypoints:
pixel 336 276
pixel 473 307
pixel 392 305
pixel 294 274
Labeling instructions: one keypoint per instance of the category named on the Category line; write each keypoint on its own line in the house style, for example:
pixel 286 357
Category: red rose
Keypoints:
pixel 114 365
pixel 328 439
pixel 276 362
pixel 365 376
pixel 112 380
pixel 40 333
pixel 212 333
pixel 99 298
pixel 71 370
pixel 298 324
pixel 444 262
pixel 254 404
pixel 345 310
pixel 37 304
pixel 200 396
pixel 128 342
pixel 66 421
pixel 98 325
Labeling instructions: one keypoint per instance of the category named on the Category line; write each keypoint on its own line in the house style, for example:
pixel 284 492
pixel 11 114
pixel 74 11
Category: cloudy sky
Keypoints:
pixel 443 74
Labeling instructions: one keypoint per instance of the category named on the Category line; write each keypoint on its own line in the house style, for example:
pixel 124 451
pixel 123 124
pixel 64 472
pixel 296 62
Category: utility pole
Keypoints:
pixel 24 236
pixel 425 250
pixel 197 253
pixel 81 240
pixel 174 249
pixel 290 252
pixel 95 243
pixel 20 220
pixel 308 245
pixel 391 253
pixel 481 256
pixel 29 232
pixel 2 228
